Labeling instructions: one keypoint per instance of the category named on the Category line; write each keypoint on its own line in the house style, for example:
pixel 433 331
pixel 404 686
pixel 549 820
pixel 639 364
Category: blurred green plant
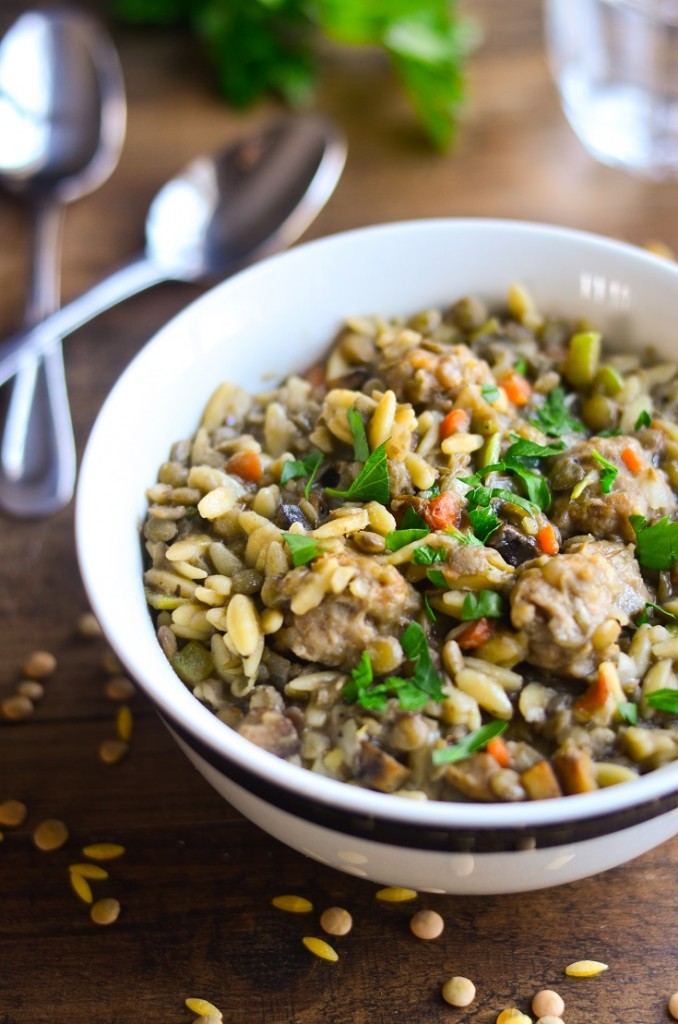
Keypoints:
pixel 262 46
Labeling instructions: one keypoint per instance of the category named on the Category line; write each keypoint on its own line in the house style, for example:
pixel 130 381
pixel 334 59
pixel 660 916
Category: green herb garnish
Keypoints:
pixel 423 685
pixel 475 740
pixel 372 483
pixel 644 420
pixel 519 459
pixel 397 539
pixel 304 549
pixel 656 545
pixel 490 392
pixel 361 448
pixel 412 520
pixel 307 466
pixel 483 604
pixel 663 700
pixel 480 497
pixel 437 579
pixel 428 555
pixel 553 417
pixel 467 538
pixel 521 367
pixel 628 712
pixel 643 617
pixel 429 611
pixel 609 474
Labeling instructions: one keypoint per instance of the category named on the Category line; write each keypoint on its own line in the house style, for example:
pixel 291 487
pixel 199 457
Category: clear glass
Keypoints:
pixel 616 66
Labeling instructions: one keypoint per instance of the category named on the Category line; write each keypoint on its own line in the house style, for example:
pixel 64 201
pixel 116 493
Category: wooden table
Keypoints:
pixel 196 881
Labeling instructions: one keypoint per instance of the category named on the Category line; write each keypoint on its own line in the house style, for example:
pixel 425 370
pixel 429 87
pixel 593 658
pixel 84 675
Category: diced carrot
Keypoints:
pixel 475 634
pixel 456 422
pixel 547 540
pixel 246 465
pixel 443 511
pixel 632 460
pixel 595 696
pixel 499 750
pixel 517 388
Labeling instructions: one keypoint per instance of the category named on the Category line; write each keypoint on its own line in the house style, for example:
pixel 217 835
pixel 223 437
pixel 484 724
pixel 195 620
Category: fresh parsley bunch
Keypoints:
pixel 262 46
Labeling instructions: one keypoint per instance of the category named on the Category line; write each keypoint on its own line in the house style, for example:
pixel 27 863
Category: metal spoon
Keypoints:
pixel 222 212
pixel 62 123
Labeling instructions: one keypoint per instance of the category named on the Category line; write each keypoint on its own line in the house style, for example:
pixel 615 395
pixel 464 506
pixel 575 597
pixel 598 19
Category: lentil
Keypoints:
pixel 512 1015
pixel 396 894
pixel 89 870
pixel 336 921
pixel 550 1020
pixel 50 834
pixel 320 948
pixel 585 968
pixel 203 1008
pixel 105 911
pixel 103 851
pixel 119 688
pixel 673 1005
pixel 13 812
pixel 16 708
pixel 39 665
pixel 81 887
pixel 31 688
pixel 548 1003
pixel 124 724
pixel 112 751
pixel 459 991
pixel 293 904
pixel 88 626
pixel 427 925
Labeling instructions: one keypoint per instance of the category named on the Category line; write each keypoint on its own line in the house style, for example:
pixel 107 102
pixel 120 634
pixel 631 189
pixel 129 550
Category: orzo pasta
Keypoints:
pixel 440 565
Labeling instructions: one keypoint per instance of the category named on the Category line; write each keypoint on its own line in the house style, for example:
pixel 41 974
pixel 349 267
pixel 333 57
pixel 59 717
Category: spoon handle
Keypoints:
pixel 129 280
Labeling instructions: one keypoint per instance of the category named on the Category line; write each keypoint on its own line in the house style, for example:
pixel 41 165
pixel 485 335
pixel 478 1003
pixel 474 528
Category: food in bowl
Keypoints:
pixel 439 565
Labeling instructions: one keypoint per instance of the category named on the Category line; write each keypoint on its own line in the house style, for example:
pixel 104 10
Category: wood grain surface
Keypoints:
pixel 196 881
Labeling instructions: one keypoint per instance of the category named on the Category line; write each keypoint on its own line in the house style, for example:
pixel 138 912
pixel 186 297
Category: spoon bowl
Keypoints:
pixel 62 124
pixel 254 197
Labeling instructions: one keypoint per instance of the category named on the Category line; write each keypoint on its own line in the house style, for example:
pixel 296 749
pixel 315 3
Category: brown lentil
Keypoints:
pixel 31 688
pixel 120 688
pixel 336 921
pixel 103 851
pixel 50 834
pixel 427 924
pixel 548 1003
pixel 673 1005
pixel 293 904
pixel 112 751
pixel 16 708
pixel 459 991
pixel 110 664
pixel 320 948
pixel 13 812
pixel 39 665
pixel 105 911
pixel 88 626
pixel 550 1020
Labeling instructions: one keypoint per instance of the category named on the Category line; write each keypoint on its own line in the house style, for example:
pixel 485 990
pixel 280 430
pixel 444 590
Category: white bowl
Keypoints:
pixel 280 316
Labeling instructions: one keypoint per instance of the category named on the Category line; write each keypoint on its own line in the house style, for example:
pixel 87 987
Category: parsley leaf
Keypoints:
pixel 423 685
pixel 437 579
pixel 484 521
pixel 361 449
pixel 524 449
pixel 429 611
pixel 656 545
pixel 468 538
pixel 482 496
pixel 304 549
pixel 609 474
pixel 306 466
pixel 628 712
pixel 517 460
pixel 521 367
pixel 643 617
pixel 372 483
pixel 397 539
pixel 663 700
pixel 359 689
pixel 412 520
pixel 644 420
pixel 553 418
pixel 484 604
pixel 427 555
pixel 490 392
pixel 475 740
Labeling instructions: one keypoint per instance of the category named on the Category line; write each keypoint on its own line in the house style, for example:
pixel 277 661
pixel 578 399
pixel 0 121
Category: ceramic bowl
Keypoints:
pixel 279 316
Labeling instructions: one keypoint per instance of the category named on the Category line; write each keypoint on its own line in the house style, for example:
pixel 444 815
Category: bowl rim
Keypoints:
pixel 200 723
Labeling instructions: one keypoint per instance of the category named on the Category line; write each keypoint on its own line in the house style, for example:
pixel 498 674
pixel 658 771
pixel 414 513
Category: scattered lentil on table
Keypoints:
pixel 548 1003
pixel 50 834
pixel 336 921
pixel 459 991
pixel 427 924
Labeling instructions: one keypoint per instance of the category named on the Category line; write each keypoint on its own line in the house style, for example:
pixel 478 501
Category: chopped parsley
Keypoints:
pixel 651 606
pixel 609 473
pixel 480 497
pixel 475 740
pixel 484 521
pixel 307 466
pixel 361 448
pixel 304 549
pixel 372 482
pixel 490 392
pixel 412 520
pixel 428 555
pixel 553 417
pixel 663 700
pixel 483 604
pixel 656 545
pixel 519 459
pixel 397 539
pixel 628 712
pixel 423 685
pixel 437 579
pixel 644 420
pixel 521 367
